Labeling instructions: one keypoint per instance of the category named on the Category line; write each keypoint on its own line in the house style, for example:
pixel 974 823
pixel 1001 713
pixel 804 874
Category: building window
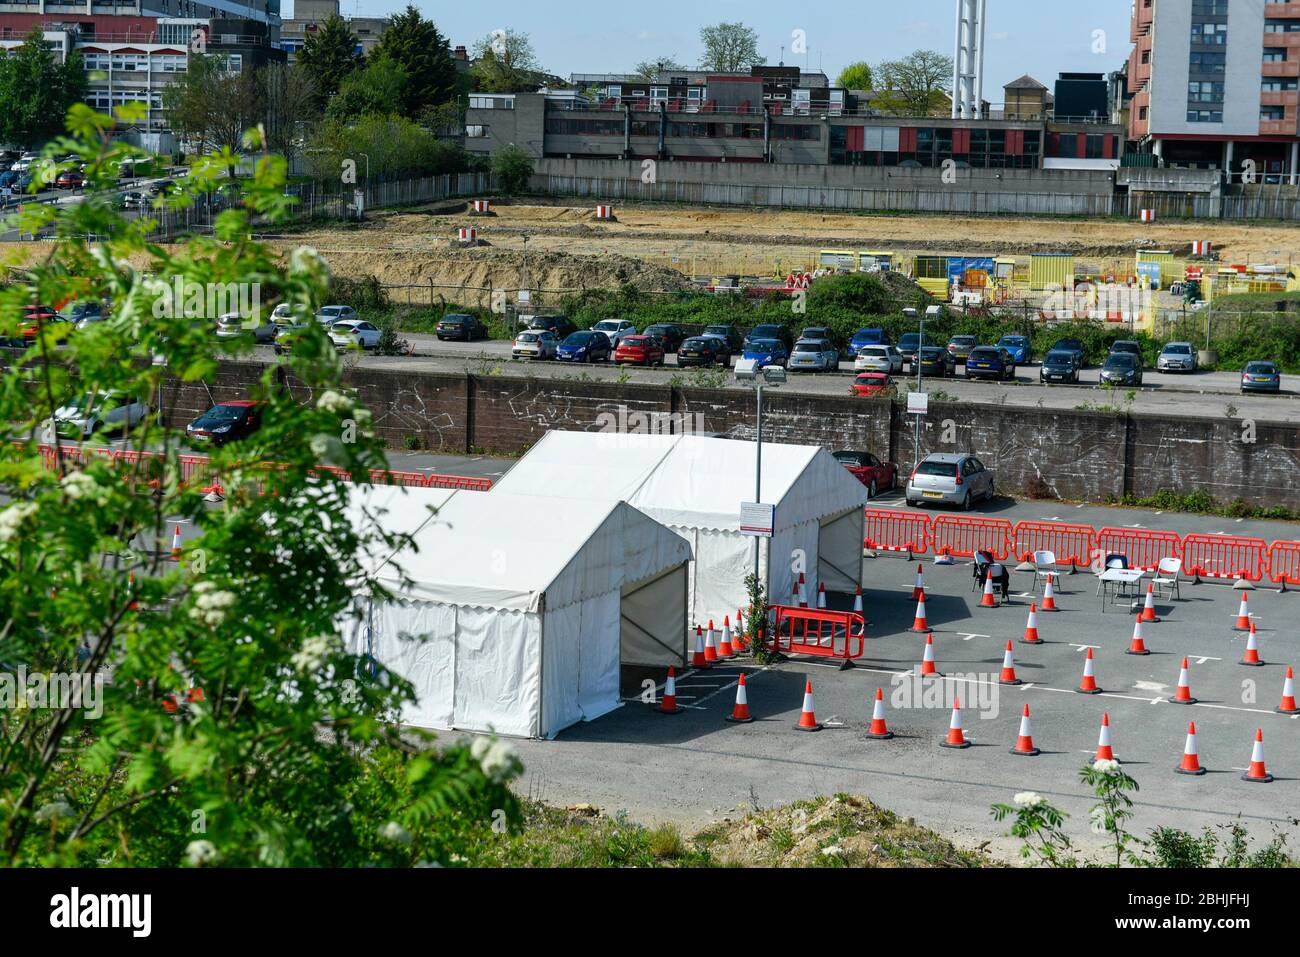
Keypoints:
pixel 1272 113
pixel 1205 91
pixel 1275 54
pixel 1210 34
pixel 1277 84
pixel 476 132
pixel 1212 63
pixel 1204 116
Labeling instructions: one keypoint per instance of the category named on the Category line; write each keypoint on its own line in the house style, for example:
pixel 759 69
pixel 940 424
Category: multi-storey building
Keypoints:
pixel 308 15
pixel 1216 83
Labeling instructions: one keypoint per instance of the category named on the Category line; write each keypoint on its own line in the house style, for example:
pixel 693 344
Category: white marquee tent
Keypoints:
pixel 513 613
pixel 695 486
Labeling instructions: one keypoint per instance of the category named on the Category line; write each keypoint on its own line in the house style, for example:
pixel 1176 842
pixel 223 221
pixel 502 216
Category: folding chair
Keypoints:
pixel 1044 565
pixel 1167 573
pixel 982 561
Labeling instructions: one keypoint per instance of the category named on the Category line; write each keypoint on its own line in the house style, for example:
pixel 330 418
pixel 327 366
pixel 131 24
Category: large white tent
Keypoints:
pixel 695 485
pixel 513 613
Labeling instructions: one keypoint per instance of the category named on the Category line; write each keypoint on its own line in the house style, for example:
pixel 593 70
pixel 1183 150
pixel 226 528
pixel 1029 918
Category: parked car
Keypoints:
pixel 1261 377
pixel 639 350
pixel 288 314
pixel 8 178
pixel 868 337
pixel 819 332
pixel 1177 357
pixel 876 475
pixel 162 186
pixel 767 333
pixel 131 200
pixel 226 422
pixel 355 332
pixel 458 325
pixel 286 334
pixel 328 315
pixel 1059 367
pixel 615 330
pixel 85 313
pixel 1127 346
pixel 990 362
pixel 562 326
pixel 950 479
pixel 767 352
pixel 909 343
pixel 1021 349
pixel 814 355
pixel 670 335
pixel 935 362
pixel 878 359
pixel 1074 347
pixel 735 341
pixel 1121 368
pixel 535 344
pixel 703 351
pixel 94 412
pixel 36 316
pixel 959 347
pixel 584 346
pixel 233 326
pixel 69 179
pixel 872 384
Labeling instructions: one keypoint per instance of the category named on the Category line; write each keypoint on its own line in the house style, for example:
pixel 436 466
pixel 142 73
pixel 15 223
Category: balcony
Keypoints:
pixel 1286 127
pixel 1280 98
pixel 1287 68
pixel 1282 11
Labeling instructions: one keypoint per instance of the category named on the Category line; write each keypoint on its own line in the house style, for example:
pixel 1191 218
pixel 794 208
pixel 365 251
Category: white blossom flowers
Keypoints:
pixel 200 852
pixel 497 758
pixel 54 811
pixel 13 517
pixel 1106 766
pixel 395 833
pixel 211 603
pixel 83 485
pixel 306 261
pixel 1029 799
pixel 332 401
pixel 311 657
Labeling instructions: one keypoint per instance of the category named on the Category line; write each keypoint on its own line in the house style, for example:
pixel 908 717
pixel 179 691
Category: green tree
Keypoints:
pixel 377 88
pixel 855 76
pixel 916 85
pixel 37 90
pixel 729 47
pixel 512 168
pixel 213 107
pixel 415 44
pixel 328 56
pixel 145 770
pixel 290 106
pixel 504 62
pixel 395 145
pixel 649 69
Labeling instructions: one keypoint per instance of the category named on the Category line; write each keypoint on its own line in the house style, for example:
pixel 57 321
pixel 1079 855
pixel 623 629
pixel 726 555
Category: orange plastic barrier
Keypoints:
pixel 1225 556
pixel 896 531
pixel 1071 544
pixel 406 479
pixel 818 632
pixel 461 482
pixel 964 535
pixel 1141 546
pixel 1284 563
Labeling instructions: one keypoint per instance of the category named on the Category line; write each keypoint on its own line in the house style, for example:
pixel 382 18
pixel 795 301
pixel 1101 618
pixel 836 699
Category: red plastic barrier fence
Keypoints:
pixel 196 469
pixel 963 535
pixel 1284 563
pixel 1225 556
pixel 817 632
pixel 896 531
pixel 1141 546
pixel 460 482
pixel 1071 544
pixel 405 479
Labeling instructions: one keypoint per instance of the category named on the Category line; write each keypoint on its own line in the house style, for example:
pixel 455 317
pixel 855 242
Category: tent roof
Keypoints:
pixel 686 480
pixel 506 551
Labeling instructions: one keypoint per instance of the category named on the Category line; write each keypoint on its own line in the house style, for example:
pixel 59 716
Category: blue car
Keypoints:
pixel 767 352
pixel 8 178
pixel 867 337
pixel 584 346
pixel 1020 347
pixel 990 362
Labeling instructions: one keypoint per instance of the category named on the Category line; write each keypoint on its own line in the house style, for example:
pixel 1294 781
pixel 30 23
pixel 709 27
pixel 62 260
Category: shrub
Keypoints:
pixel 512 168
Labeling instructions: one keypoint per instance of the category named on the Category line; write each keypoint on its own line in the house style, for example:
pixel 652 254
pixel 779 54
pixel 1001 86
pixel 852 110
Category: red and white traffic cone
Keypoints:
pixel 956 737
pixel 1008 676
pixel 1049 596
pixel 668 703
pixel 879 730
pixel 1031 628
pixel 130 591
pixel 1257 773
pixel 919 624
pixel 1025 742
pixel 1251 657
pixel 176 544
pixel 1104 750
pixel 801 592
pixel 1149 609
pixel 1243 616
pixel 987 600
pixel 821 594
pixel 1288 694
pixel 699 658
pixel 857 601
pixel 1191 760
pixel 725 647
pixel 1184 693
pixel 927 660
pixel 1137 646
pixel 1089 683
pixel 740 713
pixel 710 645
pixel 920 584
pixel 808 715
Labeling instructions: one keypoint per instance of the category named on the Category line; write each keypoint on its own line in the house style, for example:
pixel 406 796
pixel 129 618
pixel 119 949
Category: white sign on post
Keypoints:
pixel 757 520
pixel 525 296
pixel 918 403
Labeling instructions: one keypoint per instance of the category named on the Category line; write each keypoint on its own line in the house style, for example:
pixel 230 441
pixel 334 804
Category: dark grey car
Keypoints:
pixel 1122 368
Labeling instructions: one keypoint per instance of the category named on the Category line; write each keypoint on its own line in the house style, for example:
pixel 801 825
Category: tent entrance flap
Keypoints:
pixel 652 620
pixel 839 550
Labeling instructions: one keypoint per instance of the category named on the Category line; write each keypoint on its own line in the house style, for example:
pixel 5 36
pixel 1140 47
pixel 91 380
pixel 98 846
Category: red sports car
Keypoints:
pixel 871 384
pixel 876 475
pixel 639 351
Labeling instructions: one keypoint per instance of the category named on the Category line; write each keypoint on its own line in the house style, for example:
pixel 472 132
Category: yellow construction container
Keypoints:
pixel 1170 271
pixel 1047 270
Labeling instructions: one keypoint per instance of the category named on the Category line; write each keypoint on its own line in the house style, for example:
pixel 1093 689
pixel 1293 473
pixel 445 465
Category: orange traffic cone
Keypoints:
pixel 1031 628
pixel 801 592
pixel 920 584
pixel 725 648
pixel 919 624
pixel 1104 750
pixel 927 660
pixel 1149 609
pixel 1049 596
pixel 1288 695
pixel 668 703
pixel 176 545
pixel 878 730
pixel 1089 683
pixel 739 642
pixel 130 590
pixel 1191 760
pixel 1257 773
pixel 194 695
pixel 710 645
pixel 956 737
pixel 857 601
pixel 700 658
pixel 821 594
pixel 1137 646
pixel 1008 676
pixel 987 600
pixel 1243 616
pixel 1184 693
pixel 740 713
pixel 1251 657
pixel 808 716
pixel 1025 743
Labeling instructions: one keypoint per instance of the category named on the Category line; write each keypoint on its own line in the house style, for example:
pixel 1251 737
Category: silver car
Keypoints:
pixel 1177 357
pixel 814 355
pixel 950 479
pixel 232 326
pixel 535 344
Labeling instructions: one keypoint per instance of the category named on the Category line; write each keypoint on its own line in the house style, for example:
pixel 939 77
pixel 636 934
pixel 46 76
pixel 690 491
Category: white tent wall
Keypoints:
pixel 722 560
pixel 653 620
pixel 794 549
pixel 579 663
pixel 839 551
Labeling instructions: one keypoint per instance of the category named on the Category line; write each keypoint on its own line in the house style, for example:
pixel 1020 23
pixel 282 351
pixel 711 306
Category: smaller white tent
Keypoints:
pixel 513 613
